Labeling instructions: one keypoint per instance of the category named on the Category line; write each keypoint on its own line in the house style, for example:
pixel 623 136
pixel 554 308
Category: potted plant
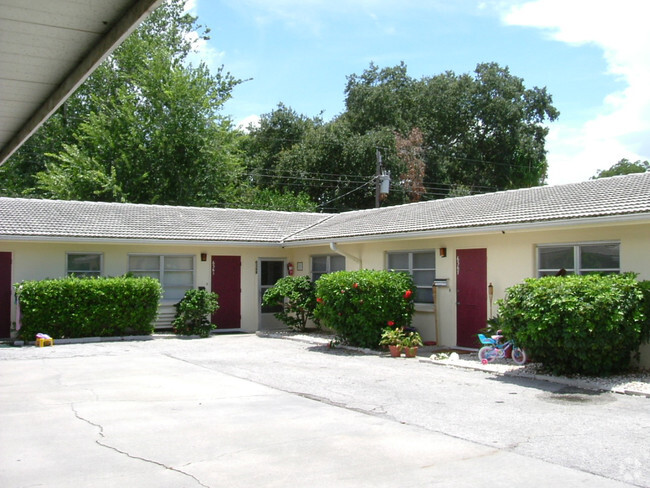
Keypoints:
pixel 393 337
pixel 411 342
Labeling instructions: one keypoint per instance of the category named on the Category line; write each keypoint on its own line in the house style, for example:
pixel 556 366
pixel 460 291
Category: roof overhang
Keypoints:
pixel 583 222
pixel 47 49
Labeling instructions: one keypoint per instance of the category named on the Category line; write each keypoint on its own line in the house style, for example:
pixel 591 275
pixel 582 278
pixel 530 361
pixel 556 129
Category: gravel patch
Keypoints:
pixel 634 383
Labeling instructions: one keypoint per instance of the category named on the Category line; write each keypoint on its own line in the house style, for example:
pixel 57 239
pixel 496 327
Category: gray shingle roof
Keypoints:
pixel 71 219
pixel 617 196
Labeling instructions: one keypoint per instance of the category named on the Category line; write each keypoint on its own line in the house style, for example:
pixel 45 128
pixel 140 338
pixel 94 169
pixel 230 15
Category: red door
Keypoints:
pixel 471 295
pixel 226 282
pixel 5 294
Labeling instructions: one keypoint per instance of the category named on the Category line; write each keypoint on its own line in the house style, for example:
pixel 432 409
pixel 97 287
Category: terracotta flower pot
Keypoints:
pixel 395 351
pixel 410 352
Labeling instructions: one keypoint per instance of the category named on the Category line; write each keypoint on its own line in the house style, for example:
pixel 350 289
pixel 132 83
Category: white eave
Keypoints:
pixel 47 49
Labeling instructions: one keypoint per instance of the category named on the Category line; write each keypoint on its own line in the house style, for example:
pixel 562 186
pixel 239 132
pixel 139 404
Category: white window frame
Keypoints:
pixel 161 271
pixel 84 273
pixel 328 265
pixel 411 268
pixel 577 258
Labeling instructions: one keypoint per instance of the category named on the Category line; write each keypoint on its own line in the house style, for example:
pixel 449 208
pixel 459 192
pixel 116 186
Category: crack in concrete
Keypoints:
pixel 151 461
pixel 76 414
pixel 129 455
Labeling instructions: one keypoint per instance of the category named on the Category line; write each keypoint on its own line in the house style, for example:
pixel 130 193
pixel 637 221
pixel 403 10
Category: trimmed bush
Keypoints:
pixel 297 296
pixel 645 289
pixel 88 307
pixel 358 305
pixel 193 313
pixel 577 324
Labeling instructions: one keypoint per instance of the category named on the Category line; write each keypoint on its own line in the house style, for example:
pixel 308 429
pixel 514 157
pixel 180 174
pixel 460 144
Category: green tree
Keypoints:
pixel 336 166
pixel 480 130
pixel 623 167
pixel 381 98
pixel 278 131
pixel 439 136
pixel 271 199
pixel 158 142
pixel 18 174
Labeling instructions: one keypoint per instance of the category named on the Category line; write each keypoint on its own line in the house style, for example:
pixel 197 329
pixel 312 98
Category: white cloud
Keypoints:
pixel 622 128
pixel 245 123
pixel 190 6
pixel 204 52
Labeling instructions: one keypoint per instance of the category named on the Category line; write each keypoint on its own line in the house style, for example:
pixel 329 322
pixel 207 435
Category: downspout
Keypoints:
pixel 345 254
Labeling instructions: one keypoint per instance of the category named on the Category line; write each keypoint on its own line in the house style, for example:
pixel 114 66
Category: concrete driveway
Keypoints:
pixel 184 413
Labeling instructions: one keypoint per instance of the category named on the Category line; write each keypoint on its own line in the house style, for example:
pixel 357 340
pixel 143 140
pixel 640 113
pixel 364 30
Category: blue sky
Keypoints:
pixel 593 57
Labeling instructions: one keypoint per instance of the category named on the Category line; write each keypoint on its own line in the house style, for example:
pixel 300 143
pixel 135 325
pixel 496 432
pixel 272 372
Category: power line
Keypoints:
pixel 341 178
pixel 348 193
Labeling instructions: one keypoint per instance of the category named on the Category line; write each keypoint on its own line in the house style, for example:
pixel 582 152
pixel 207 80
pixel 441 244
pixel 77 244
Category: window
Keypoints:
pixel 84 264
pixel 579 258
pixel 175 273
pixel 419 264
pixel 321 265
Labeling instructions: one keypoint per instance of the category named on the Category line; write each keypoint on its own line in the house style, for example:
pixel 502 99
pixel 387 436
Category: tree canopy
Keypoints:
pixel 623 167
pixel 480 130
pixel 438 136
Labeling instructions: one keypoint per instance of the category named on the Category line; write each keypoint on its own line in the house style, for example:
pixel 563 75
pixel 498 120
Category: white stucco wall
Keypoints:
pixel 511 257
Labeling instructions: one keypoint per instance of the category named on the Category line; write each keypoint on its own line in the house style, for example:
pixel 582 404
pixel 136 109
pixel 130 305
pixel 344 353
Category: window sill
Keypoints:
pixel 424 307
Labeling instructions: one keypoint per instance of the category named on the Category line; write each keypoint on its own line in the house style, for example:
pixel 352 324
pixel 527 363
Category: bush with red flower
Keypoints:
pixel 358 305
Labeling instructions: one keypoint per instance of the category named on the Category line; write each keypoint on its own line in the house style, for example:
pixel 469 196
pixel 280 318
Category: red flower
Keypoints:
pixel 356 285
pixel 408 294
pixel 391 323
pixel 342 291
pixel 319 300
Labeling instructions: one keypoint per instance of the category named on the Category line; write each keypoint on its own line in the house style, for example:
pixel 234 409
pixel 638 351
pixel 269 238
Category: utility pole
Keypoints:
pixel 378 180
pixel 382 181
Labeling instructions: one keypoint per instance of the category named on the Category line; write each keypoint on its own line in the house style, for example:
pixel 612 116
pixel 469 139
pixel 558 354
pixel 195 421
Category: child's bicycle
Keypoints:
pixel 495 349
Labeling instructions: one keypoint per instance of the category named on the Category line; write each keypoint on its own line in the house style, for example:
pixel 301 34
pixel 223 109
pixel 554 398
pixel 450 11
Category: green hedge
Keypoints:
pixel 578 324
pixel 358 305
pixel 88 307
